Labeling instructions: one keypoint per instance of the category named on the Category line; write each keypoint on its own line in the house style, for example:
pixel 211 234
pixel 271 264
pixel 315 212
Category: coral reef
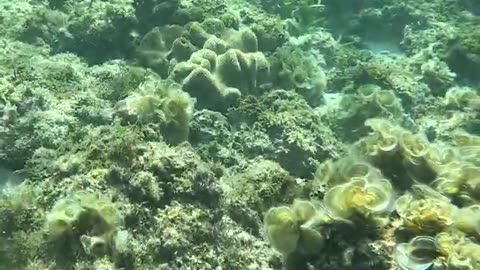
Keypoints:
pixel 239 134
pixel 286 130
pixel 213 63
pixel 435 203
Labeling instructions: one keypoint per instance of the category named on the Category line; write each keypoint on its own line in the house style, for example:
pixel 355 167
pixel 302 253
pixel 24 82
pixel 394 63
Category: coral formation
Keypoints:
pixel 434 201
pixel 367 198
pixel 294 229
pixel 295 69
pixel 427 215
pixel 418 254
pixel 161 103
pixel 87 220
pixel 213 63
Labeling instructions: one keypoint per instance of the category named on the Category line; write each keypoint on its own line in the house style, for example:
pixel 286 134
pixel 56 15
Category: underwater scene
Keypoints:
pixel 239 135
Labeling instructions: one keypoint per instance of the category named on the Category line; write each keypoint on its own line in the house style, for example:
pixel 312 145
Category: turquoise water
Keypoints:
pixel 230 134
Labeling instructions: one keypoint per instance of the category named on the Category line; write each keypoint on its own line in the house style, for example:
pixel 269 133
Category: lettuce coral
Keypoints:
pixel 467 220
pixel 85 220
pixel 370 200
pixel 401 155
pixel 418 254
pixel 162 103
pixel 295 228
pixel 426 215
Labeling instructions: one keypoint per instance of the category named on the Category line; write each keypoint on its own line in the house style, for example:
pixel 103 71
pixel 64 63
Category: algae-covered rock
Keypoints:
pixel 288 123
pixel 251 192
pixel 97 31
pixel 463 54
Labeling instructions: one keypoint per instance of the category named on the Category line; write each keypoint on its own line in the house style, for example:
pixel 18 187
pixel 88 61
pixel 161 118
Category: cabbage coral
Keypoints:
pixel 402 156
pixel 332 173
pixel 295 229
pixel 425 215
pixel 162 103
pixel 457 252
pixel 418 254
pixel 370 200
pixel 467 220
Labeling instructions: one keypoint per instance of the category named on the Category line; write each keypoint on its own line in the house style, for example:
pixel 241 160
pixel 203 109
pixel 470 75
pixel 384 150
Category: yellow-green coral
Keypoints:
pixel 85 211
pixel 295 228
pixel 426 215
pixel 457 252
pixel 467 220
pixel 418 254
pixel 159 102
pixel 457 168
pixel 439 188
pixel 371 200
pixel 367 102
pixel 330 173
